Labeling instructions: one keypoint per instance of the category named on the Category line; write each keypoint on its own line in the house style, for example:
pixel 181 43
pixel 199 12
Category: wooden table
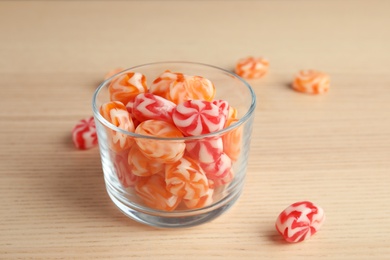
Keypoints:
pixel 332 149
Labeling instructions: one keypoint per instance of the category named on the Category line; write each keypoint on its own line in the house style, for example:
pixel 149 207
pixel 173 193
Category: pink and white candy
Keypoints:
pixel 84 134
pixel 219 169
pixel 206 151
pixel 300 221
pixel 198 117
pixel 149 106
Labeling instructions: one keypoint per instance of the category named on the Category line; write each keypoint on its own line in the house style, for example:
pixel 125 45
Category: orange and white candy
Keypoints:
pixel 140 165
pixel 163 151
pixel 232 141
pixel 186 179
pixel 125 87
pixel 116 113
pixel 153 193
pixel 251 67
pixel 161 84
pixel 311 81
pixel 204 201
pixel 200 88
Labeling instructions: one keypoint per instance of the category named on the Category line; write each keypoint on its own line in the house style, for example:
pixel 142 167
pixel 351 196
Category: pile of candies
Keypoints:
pixel 167 173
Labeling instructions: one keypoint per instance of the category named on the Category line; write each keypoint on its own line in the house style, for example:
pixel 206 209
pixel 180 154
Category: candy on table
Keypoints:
pixel 203 201
pixel 218 169
pixel 113 72
pixel 84 134
pixel 300 221
pixel 200 88
pixel 116 113
pixel 197 117
pixel 162 83
pixel 125 87
pixel 232 141
pixel 149 106
pixel 186 179
pixel 140 165
pixel 153 193
pixel 251 67
pixel 125 175
pixel 311 81
pixel 206 150
pixel 164 151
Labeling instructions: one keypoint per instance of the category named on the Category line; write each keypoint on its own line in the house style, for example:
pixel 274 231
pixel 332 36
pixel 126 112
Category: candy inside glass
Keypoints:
pixel 124 188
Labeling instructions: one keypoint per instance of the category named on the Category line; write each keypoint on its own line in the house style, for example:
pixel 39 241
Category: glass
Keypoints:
pixel 124 188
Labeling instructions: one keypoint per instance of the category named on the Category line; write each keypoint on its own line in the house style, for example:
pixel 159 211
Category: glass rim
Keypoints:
pixel 240 121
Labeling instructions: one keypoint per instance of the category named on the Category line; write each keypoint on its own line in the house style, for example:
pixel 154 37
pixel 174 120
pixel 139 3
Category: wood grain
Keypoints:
pixel 332 149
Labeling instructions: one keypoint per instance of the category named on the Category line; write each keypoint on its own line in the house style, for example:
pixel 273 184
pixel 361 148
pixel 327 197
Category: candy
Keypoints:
pixel 164 151
pixel 251 68
pixel 300 221
pixel 149 106
pixel 140 165
pixel 161 84
pixel 186 179
pixel 153 193
pixel 197 117
pixel 112 73
pixel 122 169
pixel 218 169
pixel 116 113
pixel 84 134
pixel 232 141
pixel 203 201
pixel 206 150
pixel 311 81
pixel 125 87
pixel 200 88
pixel 224 180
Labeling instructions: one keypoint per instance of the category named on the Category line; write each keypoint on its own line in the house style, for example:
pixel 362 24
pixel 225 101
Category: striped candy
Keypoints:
pixel 251 67
pixel 140 165
pixel 125 176
pixel 218 169
pixel 203 201
pixel 162 83
pixel 84 134
pixel 206 150
pixel 151 190
pixel 198 117
pixel 232 141
pixel 311 81
pixel 125 87
pixel 163 151
pixel 300 221
pixel 116 113
pixel 186 179
pixel 149 106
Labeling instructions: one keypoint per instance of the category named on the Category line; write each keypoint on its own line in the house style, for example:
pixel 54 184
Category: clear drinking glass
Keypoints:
pixel 121 184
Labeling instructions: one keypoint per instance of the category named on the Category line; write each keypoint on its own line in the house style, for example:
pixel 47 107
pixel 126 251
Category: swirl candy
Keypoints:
pixel 232 141
pixel 163 151
pixel 252 68
pixel 218 169
pixel 161 84
pixel 116 113
pixel 200 88
pixel 207 150
pixel 311 81
pixel 197 117
pixel 84 134
pixel 149 106
pixel 203 201
pixel 300 221
pixel 125 87
pixel 125 176
pixel 140 165
pixel 153 193
pixel 186 179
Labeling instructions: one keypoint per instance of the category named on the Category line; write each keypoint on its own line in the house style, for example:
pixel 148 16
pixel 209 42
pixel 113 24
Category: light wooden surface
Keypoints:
pixel 332 149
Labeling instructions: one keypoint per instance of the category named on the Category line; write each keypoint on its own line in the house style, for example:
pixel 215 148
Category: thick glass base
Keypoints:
pixel 177 219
